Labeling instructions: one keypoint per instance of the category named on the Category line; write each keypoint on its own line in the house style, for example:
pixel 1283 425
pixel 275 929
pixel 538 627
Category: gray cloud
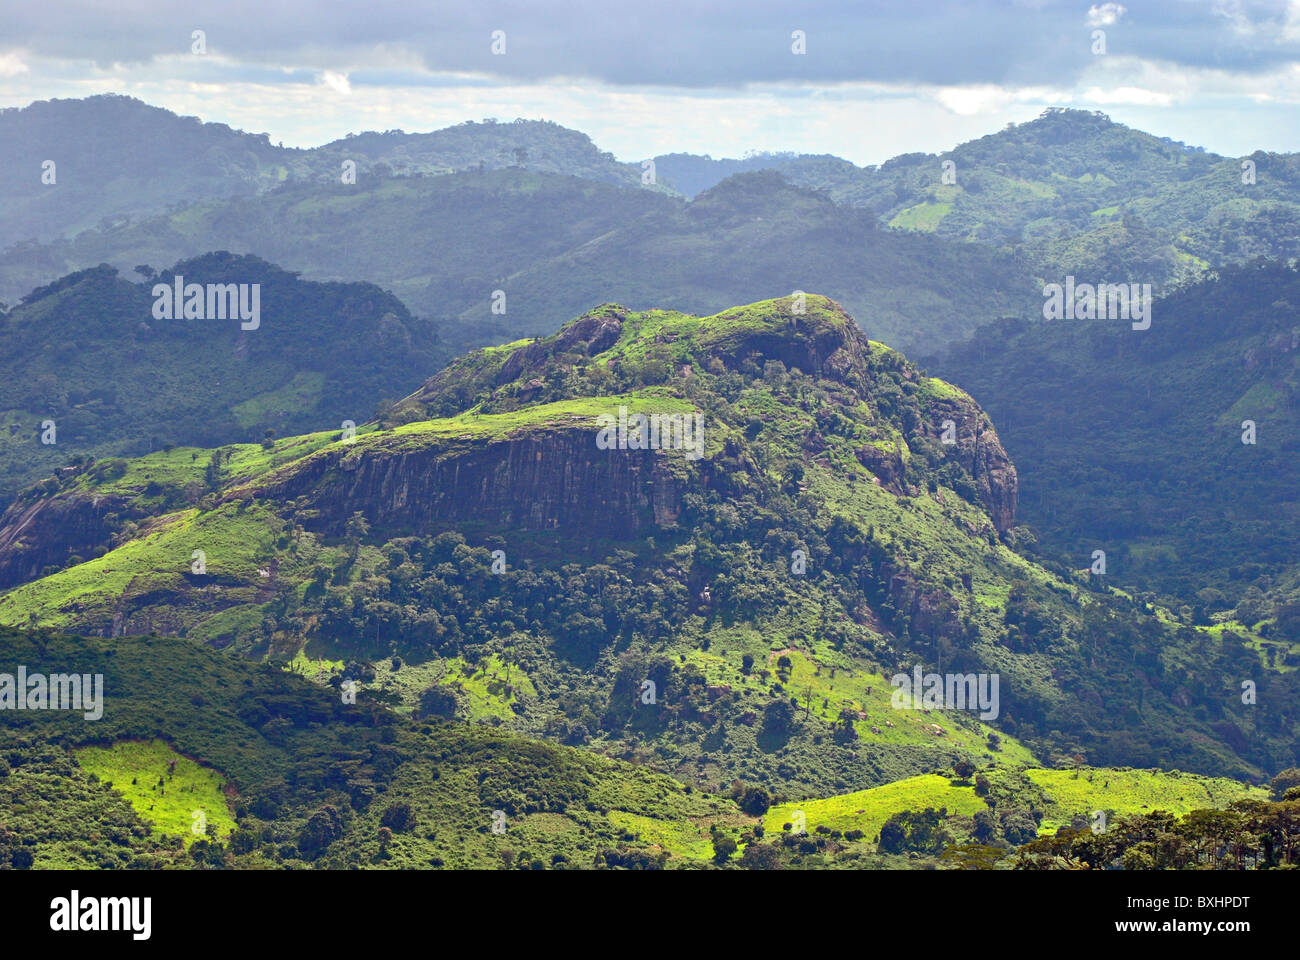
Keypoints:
pixel 674 43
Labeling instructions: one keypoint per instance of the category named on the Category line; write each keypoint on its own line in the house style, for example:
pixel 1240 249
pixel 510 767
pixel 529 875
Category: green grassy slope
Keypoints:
pixel 308 780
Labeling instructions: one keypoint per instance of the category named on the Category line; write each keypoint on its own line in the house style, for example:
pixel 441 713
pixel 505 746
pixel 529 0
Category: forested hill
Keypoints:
pixel 1173 449
pixel 816 516
pixel 1075 192
pixel 88 354
pixel 100 176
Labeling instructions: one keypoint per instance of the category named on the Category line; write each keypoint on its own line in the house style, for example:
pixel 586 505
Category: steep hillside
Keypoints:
pixel 1135 443
pixel 732 606
pixel 88 354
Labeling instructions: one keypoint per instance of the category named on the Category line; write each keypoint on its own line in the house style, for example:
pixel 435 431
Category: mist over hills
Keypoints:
pixel 1070 191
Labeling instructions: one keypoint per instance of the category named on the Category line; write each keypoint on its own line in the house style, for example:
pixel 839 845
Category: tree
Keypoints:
pixel 755 801
pixel 778 718
pixel 356 529
pixel 921 831
pixel 397 816
pixel 438 701
pixel 724 845
pixel 1019 826
pixel 760 856
pixel 1285 780
pixel 964 769
pixel 972 856
pixel 321 829
pixel 893 837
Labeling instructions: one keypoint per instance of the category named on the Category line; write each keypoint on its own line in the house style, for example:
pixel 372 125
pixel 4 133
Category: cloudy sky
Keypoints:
pixel 656 76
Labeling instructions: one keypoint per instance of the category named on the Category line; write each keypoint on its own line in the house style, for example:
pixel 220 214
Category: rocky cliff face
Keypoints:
pixel 545 479
pixel 994 473
pixel 980 453
pixel 553 477
pixel 45 532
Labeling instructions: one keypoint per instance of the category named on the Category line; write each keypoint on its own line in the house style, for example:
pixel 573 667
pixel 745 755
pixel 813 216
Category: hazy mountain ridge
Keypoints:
pixel 1070 191
pixel 103 177
pixel 555 245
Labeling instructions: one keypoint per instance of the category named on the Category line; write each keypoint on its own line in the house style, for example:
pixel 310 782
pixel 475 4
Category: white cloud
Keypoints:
pixel 991 98
pixel 1235 14
pixel 10 65
pixel 1291 29
pixel 338 82
pixel 866 122
pixel 1135 96
pixel 1106 14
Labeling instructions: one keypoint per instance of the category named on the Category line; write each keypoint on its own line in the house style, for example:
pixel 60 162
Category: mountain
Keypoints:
pixel 90 355
pixel 463 235
pixel 692 174
pixel 1075 192
pixel 117 159
pixel 1071 191
pixel 1135 442
pixel 538 145
pixel 732 606
pixel 553 245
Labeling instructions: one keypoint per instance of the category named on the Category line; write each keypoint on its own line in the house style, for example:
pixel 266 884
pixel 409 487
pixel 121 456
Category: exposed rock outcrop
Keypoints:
pixel 45 532
pixel 541 479
pixel 981 454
